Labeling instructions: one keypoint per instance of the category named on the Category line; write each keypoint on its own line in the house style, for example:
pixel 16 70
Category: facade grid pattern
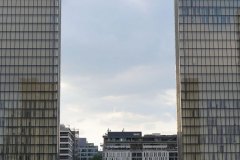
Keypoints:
pixel 29 79
pixel 208 79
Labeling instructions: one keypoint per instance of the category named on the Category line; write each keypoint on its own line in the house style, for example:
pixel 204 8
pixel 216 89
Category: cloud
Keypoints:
pixel 137 74
pixel 118 66
pixel 143 5
pixel 95 125
pixel 104 37
pixel 169 97
pixel 134 80
pixel 127 99
pixel 145 110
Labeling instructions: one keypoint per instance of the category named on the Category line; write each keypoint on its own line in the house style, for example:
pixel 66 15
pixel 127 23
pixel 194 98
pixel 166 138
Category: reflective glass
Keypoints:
pixel 29 79
pixel 208 79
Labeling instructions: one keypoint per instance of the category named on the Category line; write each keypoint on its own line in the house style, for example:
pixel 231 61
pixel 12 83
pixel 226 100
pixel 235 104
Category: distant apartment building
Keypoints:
pixel 157 144
pixel 134 146
pixel 87 150
pixel 68 145
pixel 76 147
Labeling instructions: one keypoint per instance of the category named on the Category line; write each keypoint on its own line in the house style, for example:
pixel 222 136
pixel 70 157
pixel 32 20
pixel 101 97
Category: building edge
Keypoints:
pixel 178 84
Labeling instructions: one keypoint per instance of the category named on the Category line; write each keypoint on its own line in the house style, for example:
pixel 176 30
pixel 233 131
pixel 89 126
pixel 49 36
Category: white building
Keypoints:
pixel 134 146
pixel 66 143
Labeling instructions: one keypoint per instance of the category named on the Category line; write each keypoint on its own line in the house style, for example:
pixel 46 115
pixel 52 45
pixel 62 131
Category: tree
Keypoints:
pixel 97 157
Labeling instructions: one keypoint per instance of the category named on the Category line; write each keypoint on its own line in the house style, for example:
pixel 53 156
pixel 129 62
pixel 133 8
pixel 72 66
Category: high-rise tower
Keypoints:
pixel 208 79
pixel 29 79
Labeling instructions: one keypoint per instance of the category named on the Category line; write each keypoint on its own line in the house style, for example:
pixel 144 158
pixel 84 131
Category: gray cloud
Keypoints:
pixel 118 66
pixel 110 36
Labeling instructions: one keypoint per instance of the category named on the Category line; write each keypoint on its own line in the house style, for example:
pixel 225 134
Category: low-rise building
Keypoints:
pixel 87 150
pixel 161 146
pixel 134 146
pixel 69 149
pixel 76 148
pixel 66 143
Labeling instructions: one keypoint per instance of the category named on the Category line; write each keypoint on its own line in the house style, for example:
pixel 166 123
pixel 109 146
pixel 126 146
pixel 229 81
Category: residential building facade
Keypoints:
pixel 69 143
pixel 134 146
pixel 159 147
pixel 208 82
pixel 66 143
pixel 76 146
pixel 87 150
pixel 29 79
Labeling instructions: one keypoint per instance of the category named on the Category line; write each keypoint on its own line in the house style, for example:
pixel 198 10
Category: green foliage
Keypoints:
pixel 97 157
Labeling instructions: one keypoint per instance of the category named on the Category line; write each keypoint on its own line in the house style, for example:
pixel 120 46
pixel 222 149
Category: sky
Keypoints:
pixel 118 67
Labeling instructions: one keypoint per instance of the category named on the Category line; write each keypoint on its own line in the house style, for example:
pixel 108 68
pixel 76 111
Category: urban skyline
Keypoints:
pixel 126 145
pixel 117 145
pixel 31 16
pixel 121 70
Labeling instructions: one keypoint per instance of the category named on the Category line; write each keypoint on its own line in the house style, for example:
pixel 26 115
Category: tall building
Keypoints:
pixel 208 79
pixel 134 146
pixel 29 79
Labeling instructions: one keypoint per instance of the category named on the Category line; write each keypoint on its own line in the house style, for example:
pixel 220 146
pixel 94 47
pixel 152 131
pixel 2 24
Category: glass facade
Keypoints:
pixel 208 79
pixel 29 79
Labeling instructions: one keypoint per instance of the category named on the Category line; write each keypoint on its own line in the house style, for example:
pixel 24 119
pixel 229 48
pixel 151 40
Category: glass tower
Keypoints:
pixel 208 79
pixel 29 79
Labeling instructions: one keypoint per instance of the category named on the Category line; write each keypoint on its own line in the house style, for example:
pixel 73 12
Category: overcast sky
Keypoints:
pixel 118 66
